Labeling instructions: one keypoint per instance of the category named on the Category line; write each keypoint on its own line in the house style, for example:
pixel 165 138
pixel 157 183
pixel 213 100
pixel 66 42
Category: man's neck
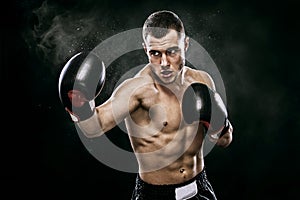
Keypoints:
pixel 175 86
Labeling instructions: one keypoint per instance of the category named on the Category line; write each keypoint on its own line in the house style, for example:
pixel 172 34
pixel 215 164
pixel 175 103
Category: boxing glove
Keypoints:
pixel 200 103
pixel 80 82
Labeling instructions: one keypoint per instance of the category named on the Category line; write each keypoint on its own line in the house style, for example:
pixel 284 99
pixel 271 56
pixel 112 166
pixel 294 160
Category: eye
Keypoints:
pixel 172 51
pixel 155 53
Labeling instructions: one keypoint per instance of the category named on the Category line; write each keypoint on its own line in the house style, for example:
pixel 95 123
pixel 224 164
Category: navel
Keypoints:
pixel 165 123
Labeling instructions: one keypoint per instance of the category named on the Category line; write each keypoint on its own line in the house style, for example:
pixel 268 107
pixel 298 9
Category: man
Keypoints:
pixel 168 109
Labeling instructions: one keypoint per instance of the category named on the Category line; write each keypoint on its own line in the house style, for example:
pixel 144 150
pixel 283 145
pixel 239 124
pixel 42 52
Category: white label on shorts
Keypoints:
pixel 186 191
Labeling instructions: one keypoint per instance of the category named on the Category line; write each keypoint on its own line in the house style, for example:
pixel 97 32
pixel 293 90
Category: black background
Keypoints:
pixel 254 44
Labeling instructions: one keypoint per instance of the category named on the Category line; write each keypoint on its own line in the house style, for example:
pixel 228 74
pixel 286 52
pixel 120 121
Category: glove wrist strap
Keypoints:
pixel 84 112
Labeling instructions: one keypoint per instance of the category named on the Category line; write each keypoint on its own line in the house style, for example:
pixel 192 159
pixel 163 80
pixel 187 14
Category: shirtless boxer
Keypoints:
pixel 168 109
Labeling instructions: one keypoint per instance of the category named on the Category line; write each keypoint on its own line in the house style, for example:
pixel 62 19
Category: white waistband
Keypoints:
pixel 187 191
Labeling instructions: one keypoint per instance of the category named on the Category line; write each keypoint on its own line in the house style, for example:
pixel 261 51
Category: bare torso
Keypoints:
pixel 168 150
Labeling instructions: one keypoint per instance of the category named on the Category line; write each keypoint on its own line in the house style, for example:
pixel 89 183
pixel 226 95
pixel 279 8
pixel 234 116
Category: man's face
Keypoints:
pixel 166 55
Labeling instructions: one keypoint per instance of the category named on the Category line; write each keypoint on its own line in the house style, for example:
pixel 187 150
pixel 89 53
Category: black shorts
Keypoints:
pixel 197 188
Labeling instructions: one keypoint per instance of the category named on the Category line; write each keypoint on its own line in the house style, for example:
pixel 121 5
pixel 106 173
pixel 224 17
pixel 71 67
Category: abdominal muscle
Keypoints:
pixel 168 156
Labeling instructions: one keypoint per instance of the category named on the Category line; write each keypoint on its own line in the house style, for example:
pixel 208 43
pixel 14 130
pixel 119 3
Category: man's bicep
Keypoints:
pixel 121 103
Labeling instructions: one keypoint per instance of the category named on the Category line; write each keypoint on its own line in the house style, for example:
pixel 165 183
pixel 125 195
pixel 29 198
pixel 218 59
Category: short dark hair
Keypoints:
pixel 159 23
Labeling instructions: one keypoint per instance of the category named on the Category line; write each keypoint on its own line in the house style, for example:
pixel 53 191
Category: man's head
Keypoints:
pixel 165 44
pixel 160 22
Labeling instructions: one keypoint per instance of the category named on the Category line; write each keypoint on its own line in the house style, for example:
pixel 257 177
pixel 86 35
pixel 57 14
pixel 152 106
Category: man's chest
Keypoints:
pixel 163 110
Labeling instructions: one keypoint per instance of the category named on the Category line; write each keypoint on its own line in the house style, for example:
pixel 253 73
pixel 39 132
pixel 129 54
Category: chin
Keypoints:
pixel 168 81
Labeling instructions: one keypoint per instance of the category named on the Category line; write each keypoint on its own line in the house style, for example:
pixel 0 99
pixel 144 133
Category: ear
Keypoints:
pixel 186 43
pixel 144 47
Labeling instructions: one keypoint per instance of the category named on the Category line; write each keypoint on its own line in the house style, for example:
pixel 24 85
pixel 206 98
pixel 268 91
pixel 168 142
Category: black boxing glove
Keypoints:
pixel 200 103
pixel 80 82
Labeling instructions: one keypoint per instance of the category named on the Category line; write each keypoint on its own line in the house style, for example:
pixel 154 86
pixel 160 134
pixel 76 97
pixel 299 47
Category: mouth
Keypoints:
pixel 166 73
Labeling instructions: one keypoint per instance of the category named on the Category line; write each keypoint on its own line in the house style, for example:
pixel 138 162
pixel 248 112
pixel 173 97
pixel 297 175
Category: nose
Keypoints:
pixel 164 60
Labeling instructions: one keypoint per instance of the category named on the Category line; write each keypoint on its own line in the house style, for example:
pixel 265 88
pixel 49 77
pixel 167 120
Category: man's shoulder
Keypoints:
pixel 144 72
pixel 197 75
pixel 141 79
pixel 194 72
pixel 136 85
pixel 137 81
